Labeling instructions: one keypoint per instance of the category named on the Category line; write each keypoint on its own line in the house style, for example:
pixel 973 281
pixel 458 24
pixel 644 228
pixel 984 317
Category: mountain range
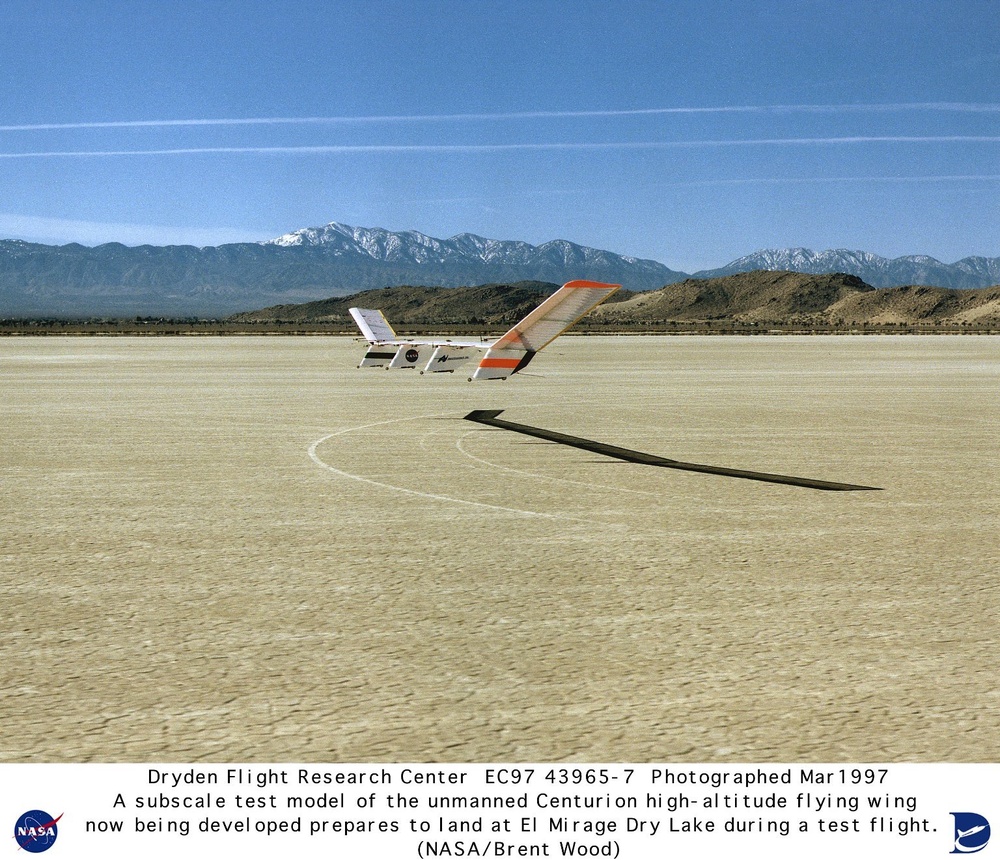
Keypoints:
pixel 335 260
pixel 748 301
pixel 967 273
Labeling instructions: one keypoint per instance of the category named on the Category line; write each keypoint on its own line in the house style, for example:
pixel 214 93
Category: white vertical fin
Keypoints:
pixel 409 354
pixel 447 358
pixel 374 326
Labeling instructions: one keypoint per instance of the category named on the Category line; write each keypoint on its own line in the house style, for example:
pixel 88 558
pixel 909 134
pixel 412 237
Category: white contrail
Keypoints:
pixel 794 180
pixel 961 107
pixel 498 147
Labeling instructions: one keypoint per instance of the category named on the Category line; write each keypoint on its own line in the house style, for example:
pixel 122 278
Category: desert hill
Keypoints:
pixel 750 297
pixel 489 305
pixel 416 305
pixel 794 299
pixel 916 304
pixel 748 300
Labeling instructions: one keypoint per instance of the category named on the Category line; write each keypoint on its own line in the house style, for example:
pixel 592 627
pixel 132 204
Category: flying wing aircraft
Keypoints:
pixel 503 357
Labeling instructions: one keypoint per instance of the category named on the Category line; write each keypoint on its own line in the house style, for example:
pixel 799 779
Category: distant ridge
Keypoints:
pixel 485 305
pixel 968 273
pixel 313 263
pixel 755 300
pixel 796 300
pixel 336 259
pixel 467 258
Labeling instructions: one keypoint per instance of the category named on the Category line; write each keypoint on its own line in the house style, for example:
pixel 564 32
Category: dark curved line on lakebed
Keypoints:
pixel 489 417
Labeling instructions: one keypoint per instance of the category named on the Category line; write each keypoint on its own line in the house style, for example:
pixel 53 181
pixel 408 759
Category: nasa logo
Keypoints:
pixel 412 355
pixel 972 833
pixel 36 831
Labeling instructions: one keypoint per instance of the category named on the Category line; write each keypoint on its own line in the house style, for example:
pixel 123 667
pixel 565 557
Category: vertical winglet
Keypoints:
pixel 374 326
pixel 544 324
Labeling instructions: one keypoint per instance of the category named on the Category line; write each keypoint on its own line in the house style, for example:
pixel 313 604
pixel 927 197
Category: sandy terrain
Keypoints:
pixel 247 549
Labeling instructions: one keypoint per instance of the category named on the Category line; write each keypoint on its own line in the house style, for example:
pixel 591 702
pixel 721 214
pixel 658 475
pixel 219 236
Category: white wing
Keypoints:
pixel 539 328
pixel 505 356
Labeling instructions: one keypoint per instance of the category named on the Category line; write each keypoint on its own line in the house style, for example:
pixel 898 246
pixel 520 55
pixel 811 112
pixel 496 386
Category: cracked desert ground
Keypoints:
pixel 246 549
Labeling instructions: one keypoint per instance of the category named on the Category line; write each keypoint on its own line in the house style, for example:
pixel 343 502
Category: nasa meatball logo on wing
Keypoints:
pixel 36 831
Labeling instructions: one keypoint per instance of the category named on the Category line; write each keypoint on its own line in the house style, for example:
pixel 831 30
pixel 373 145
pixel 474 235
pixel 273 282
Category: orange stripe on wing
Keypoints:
pixel 589 285
pixel 500 362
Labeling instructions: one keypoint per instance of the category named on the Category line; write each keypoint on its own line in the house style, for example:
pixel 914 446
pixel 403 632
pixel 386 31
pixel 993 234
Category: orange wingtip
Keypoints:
pixel 500 362
pixel 590 285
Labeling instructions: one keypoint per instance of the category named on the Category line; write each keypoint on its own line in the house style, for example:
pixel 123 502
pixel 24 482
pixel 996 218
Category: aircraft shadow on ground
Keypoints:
pixel 489 418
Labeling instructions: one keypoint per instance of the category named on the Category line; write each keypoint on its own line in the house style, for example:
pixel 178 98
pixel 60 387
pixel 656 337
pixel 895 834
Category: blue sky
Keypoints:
pixel 687 132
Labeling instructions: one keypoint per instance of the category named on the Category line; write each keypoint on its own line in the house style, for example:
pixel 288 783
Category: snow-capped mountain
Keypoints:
pixel 338 260
pixel 542 262
pixel 967 273
pixel 313 263
pixel 342 240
